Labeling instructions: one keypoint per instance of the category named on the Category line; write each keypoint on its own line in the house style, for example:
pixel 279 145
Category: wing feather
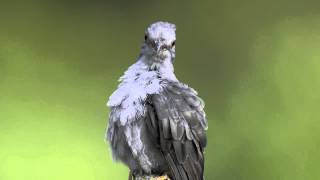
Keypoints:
pixel 178 112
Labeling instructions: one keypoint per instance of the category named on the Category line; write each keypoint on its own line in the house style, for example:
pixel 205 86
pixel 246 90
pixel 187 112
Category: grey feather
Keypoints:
pixel 186 122
pixel 166 128
pixel 157 124
pixel 172 134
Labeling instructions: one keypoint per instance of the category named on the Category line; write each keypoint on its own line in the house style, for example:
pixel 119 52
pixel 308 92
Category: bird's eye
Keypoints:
pixel 145 37
pixel 173 43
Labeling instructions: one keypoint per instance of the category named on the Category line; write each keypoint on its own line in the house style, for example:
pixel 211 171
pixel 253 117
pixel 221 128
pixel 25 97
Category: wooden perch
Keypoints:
pixel 164 177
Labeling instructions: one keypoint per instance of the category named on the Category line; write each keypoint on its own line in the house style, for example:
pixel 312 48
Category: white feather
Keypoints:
pixel 136 83
pixel 139 81
pixel 133 134
pixel 162 30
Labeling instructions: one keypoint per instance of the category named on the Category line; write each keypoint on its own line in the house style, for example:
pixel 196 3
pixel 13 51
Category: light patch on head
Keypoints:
pixel 162 31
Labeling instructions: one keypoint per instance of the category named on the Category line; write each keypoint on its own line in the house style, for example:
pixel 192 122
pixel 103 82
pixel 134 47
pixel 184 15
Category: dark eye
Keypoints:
pixel 145 37
pixel 173 43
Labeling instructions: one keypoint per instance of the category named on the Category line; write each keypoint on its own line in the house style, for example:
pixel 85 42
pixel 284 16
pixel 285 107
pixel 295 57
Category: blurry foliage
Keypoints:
pixel 255 63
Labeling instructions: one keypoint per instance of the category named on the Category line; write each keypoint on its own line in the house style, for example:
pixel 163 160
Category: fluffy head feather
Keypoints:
pixel 162 30
pixel 159 44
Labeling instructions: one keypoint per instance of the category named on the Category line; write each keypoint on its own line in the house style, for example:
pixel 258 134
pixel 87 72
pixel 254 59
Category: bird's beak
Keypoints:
pixel 158 47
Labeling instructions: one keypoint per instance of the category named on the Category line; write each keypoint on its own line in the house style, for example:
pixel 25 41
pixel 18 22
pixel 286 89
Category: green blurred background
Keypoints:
pixel 255 63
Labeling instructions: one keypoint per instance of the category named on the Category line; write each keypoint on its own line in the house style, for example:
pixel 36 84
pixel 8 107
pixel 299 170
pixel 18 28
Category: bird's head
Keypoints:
pixel 159 42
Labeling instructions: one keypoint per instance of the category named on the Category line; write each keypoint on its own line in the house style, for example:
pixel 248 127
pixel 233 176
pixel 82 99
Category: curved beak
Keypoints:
pixel 158 46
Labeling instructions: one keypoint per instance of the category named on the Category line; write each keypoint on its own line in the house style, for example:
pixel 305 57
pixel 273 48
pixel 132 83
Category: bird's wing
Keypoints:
pixel 177 119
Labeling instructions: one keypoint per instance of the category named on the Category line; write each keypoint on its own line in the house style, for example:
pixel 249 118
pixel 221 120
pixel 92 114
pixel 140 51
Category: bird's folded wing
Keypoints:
pixel 178 121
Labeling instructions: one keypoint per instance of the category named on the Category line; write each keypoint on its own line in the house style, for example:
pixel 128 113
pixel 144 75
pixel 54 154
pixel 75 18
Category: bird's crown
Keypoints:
pixel 162 30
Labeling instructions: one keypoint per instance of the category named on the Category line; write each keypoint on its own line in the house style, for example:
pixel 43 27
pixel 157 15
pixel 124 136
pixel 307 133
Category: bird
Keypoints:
pixel 157 124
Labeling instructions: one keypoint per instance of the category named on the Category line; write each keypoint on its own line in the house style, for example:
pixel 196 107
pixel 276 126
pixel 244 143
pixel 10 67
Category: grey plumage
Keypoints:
pixel 159 129
pixel 173 133
pixel 178 119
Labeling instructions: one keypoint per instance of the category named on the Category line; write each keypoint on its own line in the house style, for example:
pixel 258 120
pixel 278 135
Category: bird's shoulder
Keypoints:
pixel 181 101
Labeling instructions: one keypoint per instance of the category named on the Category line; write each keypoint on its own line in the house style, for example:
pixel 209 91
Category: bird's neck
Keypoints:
pixel 164 68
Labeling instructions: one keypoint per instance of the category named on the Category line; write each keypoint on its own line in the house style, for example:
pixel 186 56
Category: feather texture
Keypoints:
pixel 182 123
pixel 157 124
